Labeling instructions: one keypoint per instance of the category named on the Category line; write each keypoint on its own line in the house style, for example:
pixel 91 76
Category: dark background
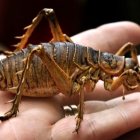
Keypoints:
pixel 74 15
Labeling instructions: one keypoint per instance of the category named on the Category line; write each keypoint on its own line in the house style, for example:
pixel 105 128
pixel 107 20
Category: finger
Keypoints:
pixel 135 96
pixel 107 124
pixel 96 106
pixel 114 122
pixel 109 37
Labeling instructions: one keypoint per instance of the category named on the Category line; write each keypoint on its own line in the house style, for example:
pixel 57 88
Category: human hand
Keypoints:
pixel 107 118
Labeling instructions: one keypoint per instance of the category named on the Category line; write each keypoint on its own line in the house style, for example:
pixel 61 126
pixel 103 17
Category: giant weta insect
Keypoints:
pixel 47 69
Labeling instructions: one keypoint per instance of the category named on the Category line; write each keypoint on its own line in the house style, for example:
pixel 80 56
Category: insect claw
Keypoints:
pixel 12 89
pixel 25 28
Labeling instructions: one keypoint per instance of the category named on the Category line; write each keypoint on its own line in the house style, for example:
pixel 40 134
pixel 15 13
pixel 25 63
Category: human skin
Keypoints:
pixel 106 115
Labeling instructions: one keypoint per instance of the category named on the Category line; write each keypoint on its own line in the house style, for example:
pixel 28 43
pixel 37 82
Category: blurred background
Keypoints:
pixel 74 16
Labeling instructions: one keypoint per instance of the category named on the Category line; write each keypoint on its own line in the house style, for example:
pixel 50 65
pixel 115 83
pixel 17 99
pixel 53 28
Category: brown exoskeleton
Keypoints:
pixel 47 69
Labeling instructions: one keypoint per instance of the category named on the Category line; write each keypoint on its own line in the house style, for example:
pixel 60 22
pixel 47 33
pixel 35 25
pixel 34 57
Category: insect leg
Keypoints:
pixel 14 109
pixel 61 79
pixel 112 85
pixel 120 80
pixel 126 48
pixel 80 87
pixel 54 26
pixel 79 116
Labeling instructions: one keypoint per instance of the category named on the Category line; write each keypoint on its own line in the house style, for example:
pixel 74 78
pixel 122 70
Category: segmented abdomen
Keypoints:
pixel 66 54
pixel 38 81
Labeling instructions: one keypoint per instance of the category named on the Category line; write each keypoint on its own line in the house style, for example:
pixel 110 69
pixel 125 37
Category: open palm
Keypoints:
pixel 106 118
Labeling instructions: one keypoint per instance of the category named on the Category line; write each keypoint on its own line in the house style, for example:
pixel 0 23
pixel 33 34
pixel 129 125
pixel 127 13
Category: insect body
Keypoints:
pixel 62 66
pixel 67 55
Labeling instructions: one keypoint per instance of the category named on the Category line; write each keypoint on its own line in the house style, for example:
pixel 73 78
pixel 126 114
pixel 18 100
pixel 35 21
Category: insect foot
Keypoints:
pixel 78 122
pixel 12 112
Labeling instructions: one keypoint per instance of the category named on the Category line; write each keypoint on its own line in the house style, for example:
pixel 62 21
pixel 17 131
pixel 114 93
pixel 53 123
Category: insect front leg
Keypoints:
pixel 56 31
pixel 126 48
pixel 129 80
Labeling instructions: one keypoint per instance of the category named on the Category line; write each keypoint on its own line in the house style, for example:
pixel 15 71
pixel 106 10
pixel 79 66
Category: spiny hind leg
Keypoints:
pixel 62 80
pixel 54 26
pixel 14 109
pixel 15 102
